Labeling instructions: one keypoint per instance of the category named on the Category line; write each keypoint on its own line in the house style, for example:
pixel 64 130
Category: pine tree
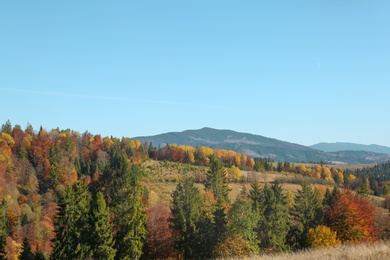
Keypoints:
pixel 71 241
pixel 307 213
pixel 186 211
pixel 101 237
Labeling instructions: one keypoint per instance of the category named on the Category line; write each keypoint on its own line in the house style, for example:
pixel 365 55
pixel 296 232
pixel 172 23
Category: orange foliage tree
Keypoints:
pixel 161 244
pixel 352 217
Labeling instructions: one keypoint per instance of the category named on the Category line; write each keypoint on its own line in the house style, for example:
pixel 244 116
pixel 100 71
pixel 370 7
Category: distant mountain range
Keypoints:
pixel 260 146
pixel 339 146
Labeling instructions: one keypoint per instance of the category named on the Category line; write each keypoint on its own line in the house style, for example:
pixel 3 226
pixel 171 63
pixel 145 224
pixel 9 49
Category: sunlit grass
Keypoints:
pixel 367 251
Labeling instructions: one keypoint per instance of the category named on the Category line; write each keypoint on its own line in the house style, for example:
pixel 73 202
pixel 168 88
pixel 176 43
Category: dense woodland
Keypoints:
pixel 66 195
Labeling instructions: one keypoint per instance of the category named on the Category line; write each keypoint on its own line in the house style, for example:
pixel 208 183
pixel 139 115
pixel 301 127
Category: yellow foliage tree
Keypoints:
pixel 234 173
pixel 232 246
pixel 322 236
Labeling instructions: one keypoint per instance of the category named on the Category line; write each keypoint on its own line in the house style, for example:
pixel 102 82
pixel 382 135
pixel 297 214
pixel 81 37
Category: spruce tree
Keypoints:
pixel 216 182
pixel 71 241
pixel 307 213
pixel 274 223
pixel 124 191
pixel 186 211
pixel 101 236
pixel 26 254
pixel 3 228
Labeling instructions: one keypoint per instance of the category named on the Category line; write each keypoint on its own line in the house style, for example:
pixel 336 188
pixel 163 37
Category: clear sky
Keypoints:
pixel 299 71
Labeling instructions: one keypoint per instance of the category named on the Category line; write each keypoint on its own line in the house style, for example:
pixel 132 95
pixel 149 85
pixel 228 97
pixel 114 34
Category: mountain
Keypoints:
pixel 260 146
pixel 339 146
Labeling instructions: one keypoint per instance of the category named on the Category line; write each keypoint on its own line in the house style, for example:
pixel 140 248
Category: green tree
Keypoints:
pixel 216 182
pixel 242 221
pixel 3 227
pixel 307 213
pixel 130 215
pixel 186 211
pixel 26 254
pixel 274 223
pixel 71 241
pixel 101 236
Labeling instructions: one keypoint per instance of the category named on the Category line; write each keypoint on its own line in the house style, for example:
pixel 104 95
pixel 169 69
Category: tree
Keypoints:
pixel 186 212
pixel 101 237
pixel 26 254
pixel 130 215
pixel 274 222
pixel 123 190
pixel 307 213
pixel 352 217
pixel 322 236
pixel 3 228
pixel 71 241
pixel 216 182
pixel 242 221
pixel 160 244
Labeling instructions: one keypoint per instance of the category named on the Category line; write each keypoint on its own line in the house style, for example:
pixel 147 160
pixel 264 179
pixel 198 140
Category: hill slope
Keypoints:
pixel 340 146
pixel 260 146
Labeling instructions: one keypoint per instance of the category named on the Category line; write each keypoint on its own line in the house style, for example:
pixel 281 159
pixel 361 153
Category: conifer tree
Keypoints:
pixel 26 254
pixel 124 191
pixel 101 236
pixel 71 241
pixel 307 213
pixel 274 223
pixel 3 228
pixel 186 211
pixel 216 182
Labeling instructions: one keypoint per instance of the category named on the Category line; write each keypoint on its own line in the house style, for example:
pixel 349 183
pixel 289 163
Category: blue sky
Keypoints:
pixel 299 71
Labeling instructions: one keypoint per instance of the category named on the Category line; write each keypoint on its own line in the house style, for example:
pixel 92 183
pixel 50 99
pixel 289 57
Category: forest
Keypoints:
pixel 66 195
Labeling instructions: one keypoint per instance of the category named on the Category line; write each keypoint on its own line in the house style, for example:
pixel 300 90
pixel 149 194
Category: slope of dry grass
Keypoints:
pixel 368 251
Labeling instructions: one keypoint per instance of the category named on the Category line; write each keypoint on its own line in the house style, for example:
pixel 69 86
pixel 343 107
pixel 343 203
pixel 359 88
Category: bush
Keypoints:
pixel 322 236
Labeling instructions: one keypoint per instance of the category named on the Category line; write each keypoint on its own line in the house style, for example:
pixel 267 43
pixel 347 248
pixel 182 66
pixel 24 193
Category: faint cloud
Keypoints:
pixel 107 98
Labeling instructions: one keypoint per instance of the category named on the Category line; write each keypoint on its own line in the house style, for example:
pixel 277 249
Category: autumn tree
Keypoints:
pixel 322 236
pixel 352 217
pixel 160 242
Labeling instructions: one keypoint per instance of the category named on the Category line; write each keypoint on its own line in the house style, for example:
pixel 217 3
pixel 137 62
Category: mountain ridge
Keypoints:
pixel 260 146
pixel 346 146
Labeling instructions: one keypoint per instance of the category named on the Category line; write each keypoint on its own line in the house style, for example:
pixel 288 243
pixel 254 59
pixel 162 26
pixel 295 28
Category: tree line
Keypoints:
pixel 65 194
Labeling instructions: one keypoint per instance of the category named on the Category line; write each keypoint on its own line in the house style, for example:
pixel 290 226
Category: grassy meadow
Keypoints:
pixel 367 251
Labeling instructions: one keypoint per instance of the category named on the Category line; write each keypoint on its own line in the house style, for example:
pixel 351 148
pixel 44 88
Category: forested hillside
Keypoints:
pixel 258 146
pixel 66 195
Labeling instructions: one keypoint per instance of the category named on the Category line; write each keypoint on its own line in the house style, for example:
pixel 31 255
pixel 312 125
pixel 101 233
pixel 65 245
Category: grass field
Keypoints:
pixel 162 178
pixel 367 251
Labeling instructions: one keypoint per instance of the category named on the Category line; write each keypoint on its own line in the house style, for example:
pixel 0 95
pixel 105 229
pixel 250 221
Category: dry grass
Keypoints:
pixel 162 178
pixel 368 251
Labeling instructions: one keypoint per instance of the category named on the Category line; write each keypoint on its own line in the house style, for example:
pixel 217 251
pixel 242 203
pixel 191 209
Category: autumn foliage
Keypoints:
pixel 352 217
